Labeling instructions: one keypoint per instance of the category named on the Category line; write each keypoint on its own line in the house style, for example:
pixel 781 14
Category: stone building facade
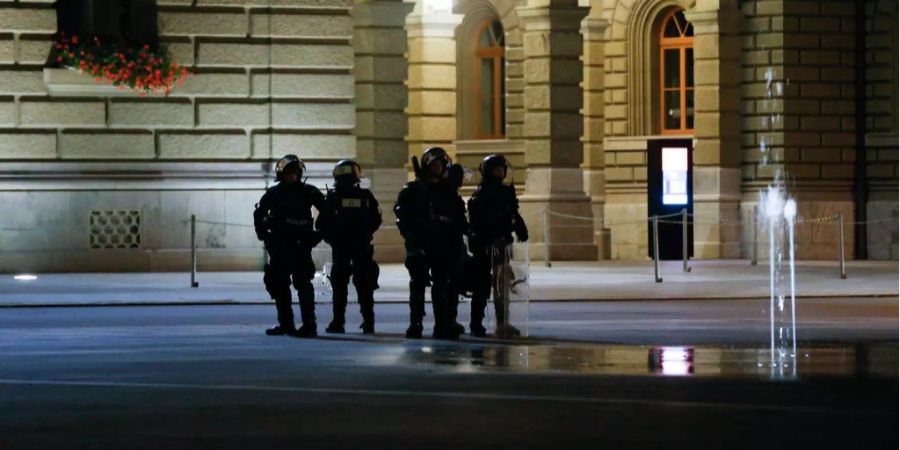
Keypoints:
pixel 574 92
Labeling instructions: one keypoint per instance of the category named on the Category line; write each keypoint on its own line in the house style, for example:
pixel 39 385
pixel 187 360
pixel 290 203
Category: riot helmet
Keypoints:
pixel 347 171
pixel 430 158
pixel 286 162
pixel 494 167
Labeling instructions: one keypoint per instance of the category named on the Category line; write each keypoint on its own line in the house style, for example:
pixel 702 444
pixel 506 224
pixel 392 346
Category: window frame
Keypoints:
pixel 497 54
pixel 682 44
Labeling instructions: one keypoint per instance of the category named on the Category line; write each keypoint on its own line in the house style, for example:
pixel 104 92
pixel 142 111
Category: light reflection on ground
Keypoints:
pixel 839 360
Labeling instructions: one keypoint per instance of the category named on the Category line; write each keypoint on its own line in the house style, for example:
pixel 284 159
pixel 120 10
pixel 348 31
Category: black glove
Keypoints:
pixel 522 235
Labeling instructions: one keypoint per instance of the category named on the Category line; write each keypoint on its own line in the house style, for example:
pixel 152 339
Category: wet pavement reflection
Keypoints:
pixel 877 360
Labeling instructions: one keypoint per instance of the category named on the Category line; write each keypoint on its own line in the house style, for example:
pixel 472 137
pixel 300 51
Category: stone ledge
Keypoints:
pixel 486 147
pixel 149 175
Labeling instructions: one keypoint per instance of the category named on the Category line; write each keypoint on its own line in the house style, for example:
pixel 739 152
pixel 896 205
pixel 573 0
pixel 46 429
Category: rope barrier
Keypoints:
pixel 654 221
pixel 708 220
pixel 713 221
pixel 228 224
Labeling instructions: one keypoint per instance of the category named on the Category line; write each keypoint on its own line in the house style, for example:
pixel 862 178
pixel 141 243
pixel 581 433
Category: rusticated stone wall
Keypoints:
pixel 271 77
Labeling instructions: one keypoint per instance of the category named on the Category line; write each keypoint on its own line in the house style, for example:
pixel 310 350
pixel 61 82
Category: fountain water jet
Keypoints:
pixel 778 213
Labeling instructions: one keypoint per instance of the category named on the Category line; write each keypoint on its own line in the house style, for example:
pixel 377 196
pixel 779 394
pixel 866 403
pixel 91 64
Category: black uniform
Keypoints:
pixel 353 217
pixel 284 222
pixel 494 216
pixel 431 217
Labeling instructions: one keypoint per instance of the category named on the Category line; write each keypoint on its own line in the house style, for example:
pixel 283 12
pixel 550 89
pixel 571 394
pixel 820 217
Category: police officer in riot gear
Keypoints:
pixel 352 216
pixel 283 221
pixel 431 217
pixel 494 216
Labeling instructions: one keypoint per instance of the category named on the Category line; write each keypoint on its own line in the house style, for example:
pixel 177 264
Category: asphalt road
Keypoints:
pixel 206 377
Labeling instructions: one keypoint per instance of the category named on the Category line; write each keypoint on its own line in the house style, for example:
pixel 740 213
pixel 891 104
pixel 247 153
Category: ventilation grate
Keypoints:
pixel 115 229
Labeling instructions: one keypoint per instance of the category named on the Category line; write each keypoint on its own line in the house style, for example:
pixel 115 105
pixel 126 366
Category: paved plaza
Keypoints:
pixel 612 360
pixel 581 281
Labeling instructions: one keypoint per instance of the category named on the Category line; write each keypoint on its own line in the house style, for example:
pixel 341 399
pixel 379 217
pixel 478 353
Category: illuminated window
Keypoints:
pixel 676 74
pixel 490 112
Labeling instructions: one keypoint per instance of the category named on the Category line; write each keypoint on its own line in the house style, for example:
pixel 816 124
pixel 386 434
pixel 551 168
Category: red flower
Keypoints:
pixel 142 69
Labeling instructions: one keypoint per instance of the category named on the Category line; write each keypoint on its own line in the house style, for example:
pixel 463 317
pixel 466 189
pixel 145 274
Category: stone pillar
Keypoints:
pixel 717 125
pixel 432 80
pixel 593 30
pixel 553 130
pixel 379 43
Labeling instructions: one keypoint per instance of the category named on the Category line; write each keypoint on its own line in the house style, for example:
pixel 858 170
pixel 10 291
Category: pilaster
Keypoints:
pixel 717 151
pixel 431 112
pixel 592 31
pixel 380 70
pixel 554 189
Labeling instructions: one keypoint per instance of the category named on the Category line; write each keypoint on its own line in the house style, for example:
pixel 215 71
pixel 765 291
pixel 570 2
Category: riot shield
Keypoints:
pixel 508 313
pixel 322 281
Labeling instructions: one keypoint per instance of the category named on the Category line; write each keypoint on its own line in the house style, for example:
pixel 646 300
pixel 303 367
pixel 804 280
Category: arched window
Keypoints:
pixel 676 74
pixel 490 112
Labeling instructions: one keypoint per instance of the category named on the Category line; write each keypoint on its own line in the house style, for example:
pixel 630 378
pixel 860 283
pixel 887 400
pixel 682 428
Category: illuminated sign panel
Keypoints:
pixel 675 175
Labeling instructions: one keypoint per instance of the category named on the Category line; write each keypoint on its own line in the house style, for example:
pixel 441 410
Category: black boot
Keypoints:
pixel 307 311
pixel 476 328
pixel 339 307
pixel 307 330
pixel 285 316
pixel 281 330
pixel 367 309
pixel 416 310
pixel 368 325
pixel 414 331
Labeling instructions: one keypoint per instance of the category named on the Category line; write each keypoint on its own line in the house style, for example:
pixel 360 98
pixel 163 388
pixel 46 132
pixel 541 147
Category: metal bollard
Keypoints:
pixel 546 226
pixel 840 218
pixel 194 282
pixel 656 276
pixel 684 240
pixel 754 251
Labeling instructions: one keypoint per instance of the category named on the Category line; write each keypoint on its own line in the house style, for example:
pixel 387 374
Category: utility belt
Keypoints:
pixel 351 241
pixel 295 232
pixel 289 226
